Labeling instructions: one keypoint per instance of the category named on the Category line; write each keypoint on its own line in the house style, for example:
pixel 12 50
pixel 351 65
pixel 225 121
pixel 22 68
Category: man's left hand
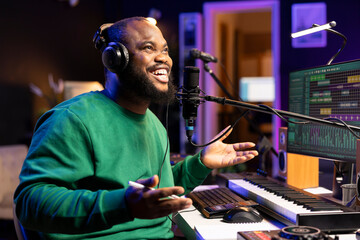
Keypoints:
pixel 219 154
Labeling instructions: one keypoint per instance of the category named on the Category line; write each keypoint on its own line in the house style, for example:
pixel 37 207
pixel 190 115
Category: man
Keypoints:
pixel 74 182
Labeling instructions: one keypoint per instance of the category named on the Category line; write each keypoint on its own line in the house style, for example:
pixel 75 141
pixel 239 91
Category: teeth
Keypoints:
pixel 160 72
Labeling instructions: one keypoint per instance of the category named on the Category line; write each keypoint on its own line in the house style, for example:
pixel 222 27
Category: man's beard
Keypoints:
pixel 136 83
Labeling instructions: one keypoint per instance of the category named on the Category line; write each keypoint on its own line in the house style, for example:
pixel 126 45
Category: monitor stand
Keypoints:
pixel 343 174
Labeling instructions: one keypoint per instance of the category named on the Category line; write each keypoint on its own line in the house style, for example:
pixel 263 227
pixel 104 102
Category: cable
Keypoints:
pixel 216 139
pixel 167 141
pixel 341 48
pixel 345 124
pixel 182 211
pixel 166 150
pixel 280 116
pixel 227 76
pixel 208 69
pixel 307 122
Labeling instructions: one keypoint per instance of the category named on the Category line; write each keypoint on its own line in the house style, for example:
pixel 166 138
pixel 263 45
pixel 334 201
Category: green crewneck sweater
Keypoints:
pixel 82 155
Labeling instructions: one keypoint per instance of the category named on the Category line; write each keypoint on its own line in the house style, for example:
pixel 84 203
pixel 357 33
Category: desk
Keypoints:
pixel 194 226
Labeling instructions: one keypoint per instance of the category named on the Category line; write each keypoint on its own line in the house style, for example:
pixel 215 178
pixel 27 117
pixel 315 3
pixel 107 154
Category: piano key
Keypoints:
pixel 295 196
pixel 304 201
pixel 321 207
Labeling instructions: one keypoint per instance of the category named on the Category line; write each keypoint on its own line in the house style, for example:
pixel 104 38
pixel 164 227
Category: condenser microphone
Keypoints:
pixel 190 99
pixel 195 53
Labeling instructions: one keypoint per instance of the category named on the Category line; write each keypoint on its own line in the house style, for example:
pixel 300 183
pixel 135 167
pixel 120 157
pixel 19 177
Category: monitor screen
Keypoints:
pixel 321 92
pixel 257 89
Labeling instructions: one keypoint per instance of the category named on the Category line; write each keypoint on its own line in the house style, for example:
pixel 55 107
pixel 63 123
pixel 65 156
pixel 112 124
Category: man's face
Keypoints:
pixel 148 72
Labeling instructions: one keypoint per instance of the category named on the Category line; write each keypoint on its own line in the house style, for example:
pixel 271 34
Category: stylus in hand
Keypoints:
pixel 140 186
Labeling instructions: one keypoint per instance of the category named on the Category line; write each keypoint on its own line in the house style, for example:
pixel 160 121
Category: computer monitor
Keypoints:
pixel 321 92
pixel 257 89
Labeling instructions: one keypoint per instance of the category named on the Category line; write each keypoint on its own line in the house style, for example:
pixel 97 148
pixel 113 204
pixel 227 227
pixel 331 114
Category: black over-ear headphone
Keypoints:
pixel 115 56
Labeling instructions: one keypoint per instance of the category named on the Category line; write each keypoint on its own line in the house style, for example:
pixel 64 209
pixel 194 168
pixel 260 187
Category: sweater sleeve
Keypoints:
pixel 190 172
pixel 50 197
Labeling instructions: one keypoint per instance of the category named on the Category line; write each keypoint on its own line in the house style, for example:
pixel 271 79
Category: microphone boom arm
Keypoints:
pixel 224 101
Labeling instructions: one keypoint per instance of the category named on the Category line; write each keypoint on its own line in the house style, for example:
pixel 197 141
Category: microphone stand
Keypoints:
pixel 262 109
pixel 228 94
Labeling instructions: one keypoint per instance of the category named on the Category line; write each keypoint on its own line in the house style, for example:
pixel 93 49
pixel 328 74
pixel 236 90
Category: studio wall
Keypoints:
pixel 41 37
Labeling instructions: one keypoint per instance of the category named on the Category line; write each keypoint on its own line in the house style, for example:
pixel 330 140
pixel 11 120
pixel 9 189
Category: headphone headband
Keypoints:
pixel 100 38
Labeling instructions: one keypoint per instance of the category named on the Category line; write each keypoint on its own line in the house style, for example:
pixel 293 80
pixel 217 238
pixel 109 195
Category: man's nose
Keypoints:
pixel 163 57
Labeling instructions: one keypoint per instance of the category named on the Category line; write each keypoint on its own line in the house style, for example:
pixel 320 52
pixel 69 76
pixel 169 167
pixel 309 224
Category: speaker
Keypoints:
pixel 297 170
pixel 357 192
pixel 282 160
pixel 115 55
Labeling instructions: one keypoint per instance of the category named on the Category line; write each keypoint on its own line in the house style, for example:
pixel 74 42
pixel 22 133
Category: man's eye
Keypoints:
pixel 148 48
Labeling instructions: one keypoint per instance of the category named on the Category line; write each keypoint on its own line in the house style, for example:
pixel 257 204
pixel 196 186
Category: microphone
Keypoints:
pixel 190 99
pixel 195 53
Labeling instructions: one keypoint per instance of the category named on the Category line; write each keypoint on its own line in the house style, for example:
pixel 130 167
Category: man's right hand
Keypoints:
pixel 148 204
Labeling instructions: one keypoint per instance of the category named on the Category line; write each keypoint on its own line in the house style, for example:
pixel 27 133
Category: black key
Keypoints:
pixel 296 196
pixel 307 200
pixel 324 208
pixel 321 206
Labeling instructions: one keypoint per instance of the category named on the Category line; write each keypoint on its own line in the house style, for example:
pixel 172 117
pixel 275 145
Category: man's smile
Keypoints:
pixel 161 74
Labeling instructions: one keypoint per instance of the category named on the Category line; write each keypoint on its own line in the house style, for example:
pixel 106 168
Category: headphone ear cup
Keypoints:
pixel 115 57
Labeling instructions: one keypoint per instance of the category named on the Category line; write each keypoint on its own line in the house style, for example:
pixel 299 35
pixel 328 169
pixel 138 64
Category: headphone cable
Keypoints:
pixel 167 141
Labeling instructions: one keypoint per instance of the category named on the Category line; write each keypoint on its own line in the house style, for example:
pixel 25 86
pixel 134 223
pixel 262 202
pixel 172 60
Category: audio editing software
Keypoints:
pixel 322 92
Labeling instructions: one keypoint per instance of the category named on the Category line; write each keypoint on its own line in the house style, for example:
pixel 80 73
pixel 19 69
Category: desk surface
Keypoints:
pixel 194 226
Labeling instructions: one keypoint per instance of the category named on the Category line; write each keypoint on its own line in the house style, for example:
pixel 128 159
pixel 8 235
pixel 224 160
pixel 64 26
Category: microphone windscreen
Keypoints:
pixel 191 77
pixel 195 53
